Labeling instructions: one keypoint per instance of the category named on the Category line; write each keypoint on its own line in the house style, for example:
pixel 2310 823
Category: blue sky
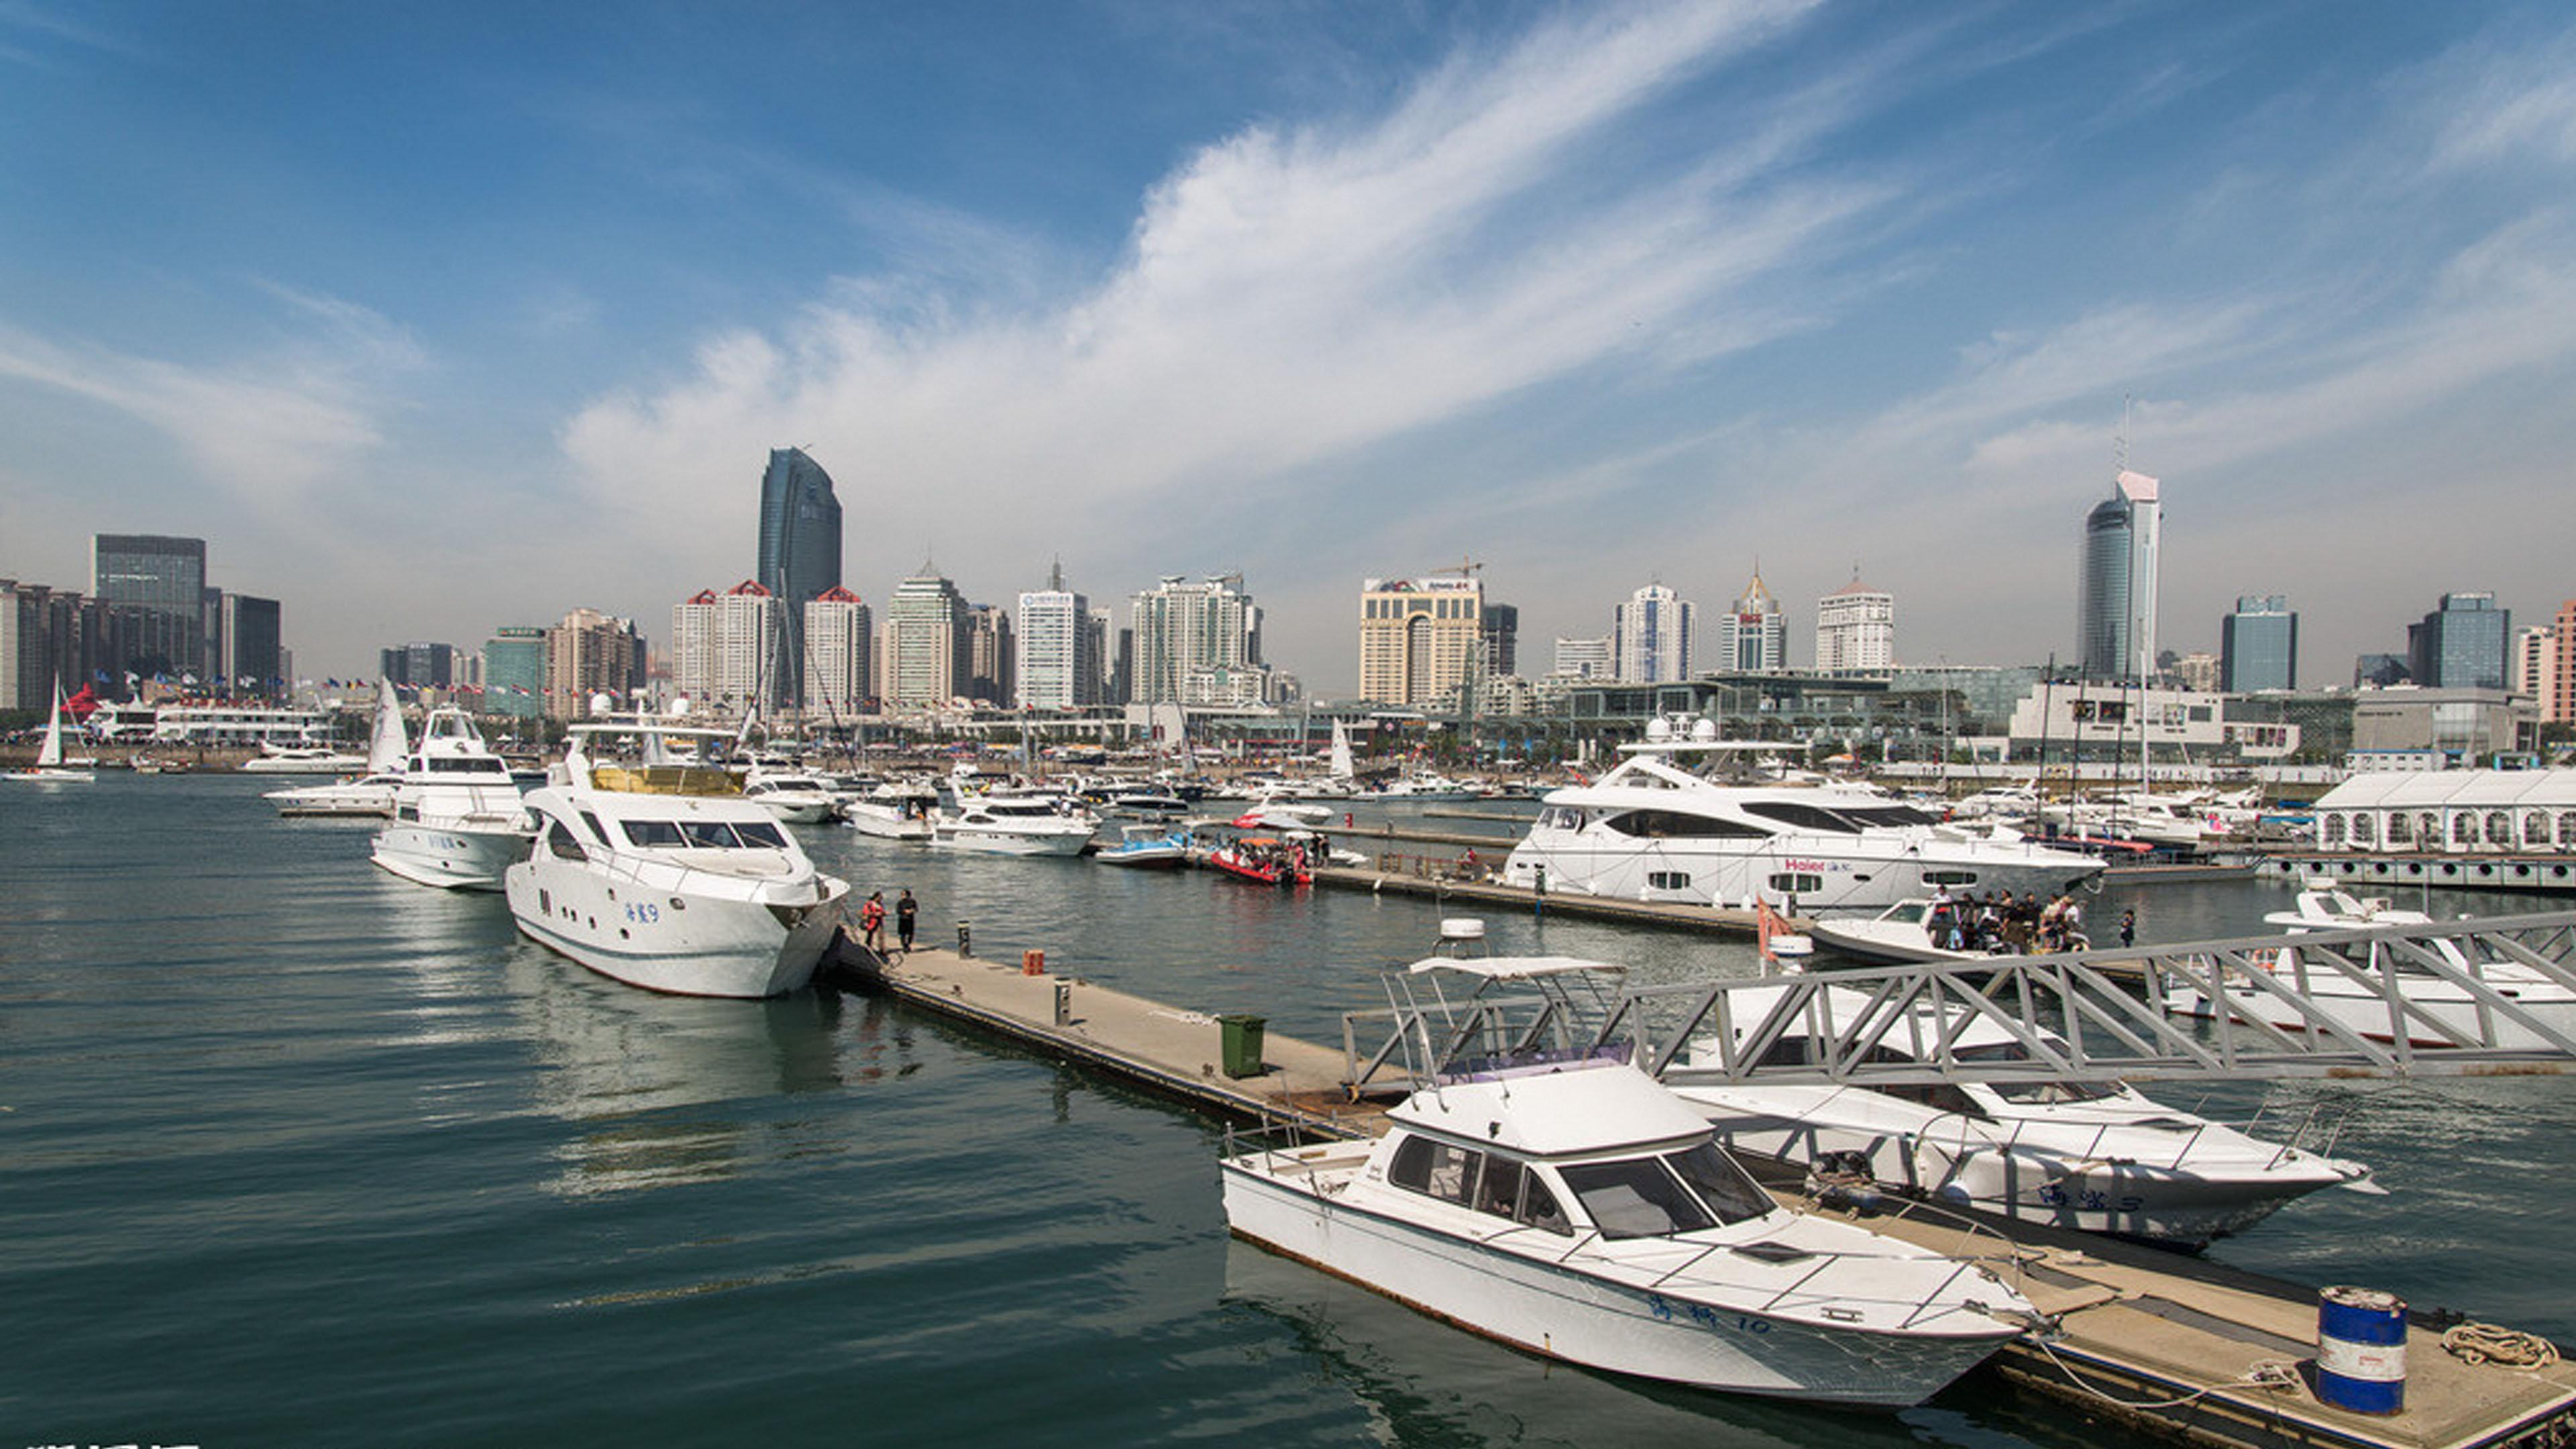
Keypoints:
pixel 431 319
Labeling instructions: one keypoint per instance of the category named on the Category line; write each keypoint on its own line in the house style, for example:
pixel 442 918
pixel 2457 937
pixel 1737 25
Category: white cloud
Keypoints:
pixel 1291 295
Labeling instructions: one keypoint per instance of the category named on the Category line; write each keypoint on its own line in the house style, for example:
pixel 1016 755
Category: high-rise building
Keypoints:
pixel 1502 639
pixel 2462 644
pixel 723 647
pixel 1856 630
pixel 514 671
pixel 990 654
pixel 1059 650
pixel 160 583
pixel 1420 639
pixel 1182 626
pixel 590 654
pixel 2558 704
pixel 1651 636
pixel 2378 671
pixel 2115 617
pixel 800 555
pixel 418 666
pixel 924 648
pixel 2258 645
pixel 1583 658
pixel 253 634
pixel 1120 688
pixel 1753 634
pixel 838 647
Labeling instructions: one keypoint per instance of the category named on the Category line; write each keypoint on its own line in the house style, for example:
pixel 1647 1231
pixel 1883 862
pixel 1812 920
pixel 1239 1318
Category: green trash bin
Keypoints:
pixel 1240 1053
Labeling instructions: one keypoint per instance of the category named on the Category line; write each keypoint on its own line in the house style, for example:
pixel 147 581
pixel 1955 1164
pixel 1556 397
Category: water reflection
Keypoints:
pixel 633 1066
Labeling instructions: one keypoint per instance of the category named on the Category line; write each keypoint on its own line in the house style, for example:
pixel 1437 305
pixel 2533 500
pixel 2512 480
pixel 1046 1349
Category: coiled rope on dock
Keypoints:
pixel 2503 1347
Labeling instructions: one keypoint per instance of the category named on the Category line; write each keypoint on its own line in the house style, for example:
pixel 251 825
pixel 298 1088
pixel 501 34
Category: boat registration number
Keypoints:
pixel 643 913
pixel 1703 1315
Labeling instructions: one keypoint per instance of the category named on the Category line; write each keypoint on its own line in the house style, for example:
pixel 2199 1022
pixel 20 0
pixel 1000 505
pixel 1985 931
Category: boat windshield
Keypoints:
pixel 2034 1094
pixel 704 834
pixel 1646 1197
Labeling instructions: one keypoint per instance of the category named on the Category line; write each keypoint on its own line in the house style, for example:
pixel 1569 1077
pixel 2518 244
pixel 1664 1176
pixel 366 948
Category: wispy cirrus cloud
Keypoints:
pixel 1291 294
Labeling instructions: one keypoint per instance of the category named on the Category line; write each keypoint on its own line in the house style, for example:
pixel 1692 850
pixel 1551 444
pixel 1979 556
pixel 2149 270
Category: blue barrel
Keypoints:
pixel 2361 1350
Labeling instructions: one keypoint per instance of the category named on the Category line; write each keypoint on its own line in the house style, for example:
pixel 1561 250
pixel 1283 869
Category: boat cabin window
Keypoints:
pixel 559 839
pixel 1797 885
pixel 1493 1185
pixel 1561 817
pixel 1668 880
pixel 1939 1096
pixel 1802 816
pixel 2034 1094
pixel 598 831
pixel 1888 815
pixel 1949 877
pixel 1673 824
pixel 1720 1183
pixel 451 765
pixel 1639 1198
pixel 660 834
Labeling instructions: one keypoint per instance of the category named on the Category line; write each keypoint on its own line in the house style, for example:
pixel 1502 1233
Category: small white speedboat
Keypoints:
pixel 2095 1156
pixel 1580 1211
pixel 1148 847
pixel 2439 1009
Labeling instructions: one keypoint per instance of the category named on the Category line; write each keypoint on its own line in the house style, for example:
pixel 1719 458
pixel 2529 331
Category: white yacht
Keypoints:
pixel 793 795
pixel 1581 1211
pixel 302 760
pixel 663 876
pixel 371 793
pixel 1014 824
pixel 1653 829
pixel 892 811
pixel 457 818
pixel 2096 1156
pixel 50 767
pixel 2434 1003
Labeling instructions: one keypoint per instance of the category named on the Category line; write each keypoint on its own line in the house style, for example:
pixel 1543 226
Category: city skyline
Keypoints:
pixel 1589 296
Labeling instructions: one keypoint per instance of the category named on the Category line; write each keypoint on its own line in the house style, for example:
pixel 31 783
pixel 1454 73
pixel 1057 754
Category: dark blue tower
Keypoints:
pixel 800 556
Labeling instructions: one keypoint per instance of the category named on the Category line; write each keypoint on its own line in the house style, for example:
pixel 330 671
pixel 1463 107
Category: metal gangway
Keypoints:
pixel 2471 997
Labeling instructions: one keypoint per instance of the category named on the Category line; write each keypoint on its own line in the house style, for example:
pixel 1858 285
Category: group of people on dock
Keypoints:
pixel 1999 925
pixel 872 917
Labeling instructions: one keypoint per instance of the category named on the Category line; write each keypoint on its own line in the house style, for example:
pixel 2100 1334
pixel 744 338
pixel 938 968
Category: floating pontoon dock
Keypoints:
pixel 2159 1342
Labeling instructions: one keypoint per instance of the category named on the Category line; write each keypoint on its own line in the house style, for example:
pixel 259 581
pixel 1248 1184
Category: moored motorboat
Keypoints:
pixel 457 820
pixel 1580 1211
pixel 892 811
pixel 2445 995
pixel 1653 829
pixel 369 794
pixel 2092 1155
pixel 1147 847
pixel 662 876
pixel 1022 824
pixel 792 795
pixel 1264 860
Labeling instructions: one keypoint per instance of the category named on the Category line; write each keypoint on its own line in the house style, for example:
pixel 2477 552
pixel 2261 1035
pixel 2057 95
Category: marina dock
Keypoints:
pixel 2155 1341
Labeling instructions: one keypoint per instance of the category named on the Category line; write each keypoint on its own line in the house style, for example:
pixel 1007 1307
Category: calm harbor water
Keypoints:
pixel 293 1152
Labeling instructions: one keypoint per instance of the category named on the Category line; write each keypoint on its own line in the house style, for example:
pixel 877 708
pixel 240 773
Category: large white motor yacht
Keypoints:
pixel 1016 824
pixel 2097 1156
pixel 457 819
pixel 1655 830
pixel 892 811
pixel 792 795
pixel 662 876
pixel 1582 1212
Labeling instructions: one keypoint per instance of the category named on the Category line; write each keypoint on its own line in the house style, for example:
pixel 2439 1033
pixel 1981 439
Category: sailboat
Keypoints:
pixel 371 794
pixel 49 768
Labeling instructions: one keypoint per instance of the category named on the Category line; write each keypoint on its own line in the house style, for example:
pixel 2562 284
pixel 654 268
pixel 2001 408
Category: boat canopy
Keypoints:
pixel 2434 789
pixel 1586 1107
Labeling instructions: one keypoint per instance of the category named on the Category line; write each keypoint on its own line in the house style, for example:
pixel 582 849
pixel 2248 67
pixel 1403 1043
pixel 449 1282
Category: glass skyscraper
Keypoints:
pixel 2461 645
pixel 158 585
pixel 2258 646
pixel 2115 607
pixel 800 555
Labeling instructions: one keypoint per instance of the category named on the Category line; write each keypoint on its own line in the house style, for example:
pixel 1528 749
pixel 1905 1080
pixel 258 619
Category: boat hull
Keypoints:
pixel 2172 1206
pixel 452 859
pixel 683 946
pixel 885 827
pixel 1010 842
pixel 1565 1314
pixel 1841 877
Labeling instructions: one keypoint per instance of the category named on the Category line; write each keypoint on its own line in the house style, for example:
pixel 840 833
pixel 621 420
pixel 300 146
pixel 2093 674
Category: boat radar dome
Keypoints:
pixel 1462 928
pixel 603 703
pixel 1658 730
pixel 679 708
pixel 1705 731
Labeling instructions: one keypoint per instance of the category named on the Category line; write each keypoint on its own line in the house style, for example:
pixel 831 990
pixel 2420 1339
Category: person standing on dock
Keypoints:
pixel 872 922
pixel 2129 927
pixel 905 909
